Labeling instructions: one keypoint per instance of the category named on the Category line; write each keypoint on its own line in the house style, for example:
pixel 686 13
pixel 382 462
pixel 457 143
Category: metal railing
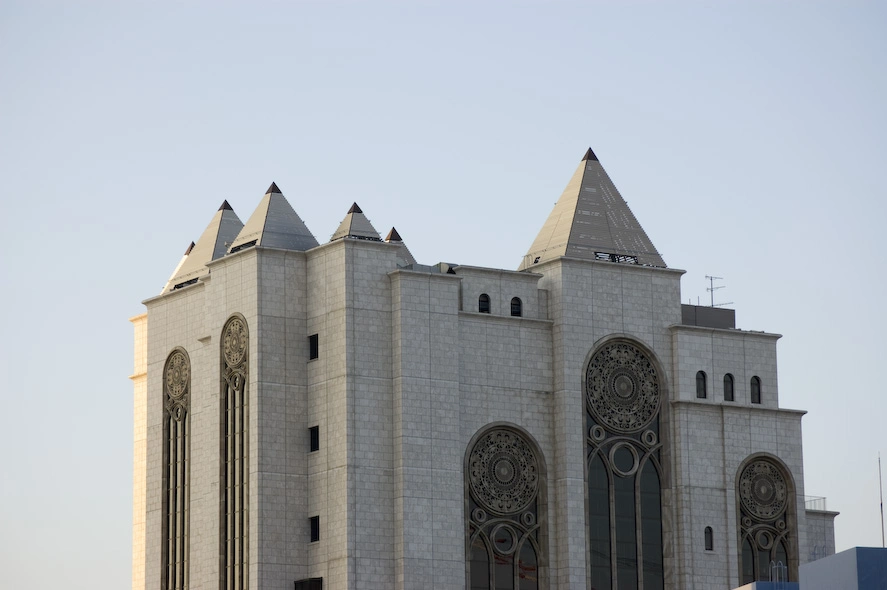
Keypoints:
pixel 815 503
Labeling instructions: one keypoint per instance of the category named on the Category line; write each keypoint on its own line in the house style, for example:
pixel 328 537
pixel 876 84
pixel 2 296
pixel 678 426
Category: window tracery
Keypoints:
pixel 623 400
pixel 235 455
pixel 505 547
pixel 176 450
pixel 766 519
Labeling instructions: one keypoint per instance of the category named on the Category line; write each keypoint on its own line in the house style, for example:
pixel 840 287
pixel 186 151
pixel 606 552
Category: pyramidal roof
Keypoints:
pixel 356 225
pixel 169 283
pixel 213 244
pixel 274 224
pixel 592 221
pixel 404 257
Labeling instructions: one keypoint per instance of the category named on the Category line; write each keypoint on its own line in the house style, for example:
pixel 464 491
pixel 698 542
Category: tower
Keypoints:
pixel 338 414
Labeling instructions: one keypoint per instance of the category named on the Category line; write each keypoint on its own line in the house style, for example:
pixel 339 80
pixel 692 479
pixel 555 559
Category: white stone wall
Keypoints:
pixel 820 535
pixel 139 447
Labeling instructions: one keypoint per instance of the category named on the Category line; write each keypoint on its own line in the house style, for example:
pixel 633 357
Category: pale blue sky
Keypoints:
pixel 748 138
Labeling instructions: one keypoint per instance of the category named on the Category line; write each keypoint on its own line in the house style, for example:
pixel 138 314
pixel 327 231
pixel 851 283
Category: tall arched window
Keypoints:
pixel 623 398
pixel 728 388
pixel 176 459
pixel 709 539
pixel 766 513
pixel 483 303
pixel 505 485
pixel 701 393
pixel 234 487
pixel 755 390
pixel 516 307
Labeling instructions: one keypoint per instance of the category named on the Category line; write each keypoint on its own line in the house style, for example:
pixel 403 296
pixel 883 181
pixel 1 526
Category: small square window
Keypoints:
pixel 313 347
pixel 315 528
pixel 314 435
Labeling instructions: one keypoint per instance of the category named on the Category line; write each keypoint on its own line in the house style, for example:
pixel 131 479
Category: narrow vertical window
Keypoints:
pixel 709 539
pixel 516 307
pixel 505 505
pixel 313 347
pixel 755 390
pixel 728 388
pixel 483 303
pixel 176 448
pixel 701 393
pixel 234 529
pixel 314 523
pixel 314 438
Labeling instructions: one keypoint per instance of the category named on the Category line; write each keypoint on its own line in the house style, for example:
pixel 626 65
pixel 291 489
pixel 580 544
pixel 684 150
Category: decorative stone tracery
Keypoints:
pixel 505 489
pixel 766 518
pixel 622 388
pixel 176 455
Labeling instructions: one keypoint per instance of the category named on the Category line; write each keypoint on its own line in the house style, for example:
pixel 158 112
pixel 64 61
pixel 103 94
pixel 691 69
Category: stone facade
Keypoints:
pixel 408 374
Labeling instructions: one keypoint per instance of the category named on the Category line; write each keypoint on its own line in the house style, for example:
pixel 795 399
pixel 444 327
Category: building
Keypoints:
pixel 339 415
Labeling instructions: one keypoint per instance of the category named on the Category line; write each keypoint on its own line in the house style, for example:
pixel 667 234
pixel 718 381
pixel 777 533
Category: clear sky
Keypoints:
pixel 747 137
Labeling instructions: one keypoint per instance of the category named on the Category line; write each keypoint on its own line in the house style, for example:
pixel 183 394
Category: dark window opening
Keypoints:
pixel 483 303
pixel 709 539
pixel 314 435
pixel 728 388
pixel 313 347
pixel 516 307
pixel 700 385
pixel 755 390
pixel 315 528
pixel 309 584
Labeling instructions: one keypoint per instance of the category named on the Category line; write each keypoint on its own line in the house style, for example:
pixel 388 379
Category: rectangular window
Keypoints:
pixel 313 347
pixel 315 528
pixel 314 435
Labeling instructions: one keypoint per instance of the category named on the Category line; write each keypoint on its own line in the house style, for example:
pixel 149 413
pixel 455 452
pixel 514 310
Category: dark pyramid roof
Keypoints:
pixel 404 256
pixel 274 224
pixel 356 225
pixel 213 243
pixel 592 221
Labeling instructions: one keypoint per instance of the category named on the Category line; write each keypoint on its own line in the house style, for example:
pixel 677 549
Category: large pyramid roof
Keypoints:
pixel 274 224
pixel 213 244
pixel 592 221
pixel 356 225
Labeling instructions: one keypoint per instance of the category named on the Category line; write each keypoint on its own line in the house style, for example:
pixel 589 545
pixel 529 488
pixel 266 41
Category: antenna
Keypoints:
pixel 881 490
pixel 711 289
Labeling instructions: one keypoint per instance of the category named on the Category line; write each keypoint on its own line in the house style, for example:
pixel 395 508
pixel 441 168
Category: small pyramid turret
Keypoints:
pixel 213 243
pixel 356 225
pixel 404 257
pixel 592 221
pixel 169 283
pixel 274 224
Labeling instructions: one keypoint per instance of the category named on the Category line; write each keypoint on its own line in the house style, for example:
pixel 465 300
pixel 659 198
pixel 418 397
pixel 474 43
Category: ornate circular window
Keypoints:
pixel 622 387
pixel 503 472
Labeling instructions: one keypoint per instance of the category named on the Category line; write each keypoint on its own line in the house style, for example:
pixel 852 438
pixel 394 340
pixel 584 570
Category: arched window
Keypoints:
pixel 701 393
pixel 176 451
pixel 505 506
pixel 766 501
pixel 624 510
pixel 728 388
pixel 234 488
pixel 516 307
pixel 709 539
pixel 755 390
pixel 483 303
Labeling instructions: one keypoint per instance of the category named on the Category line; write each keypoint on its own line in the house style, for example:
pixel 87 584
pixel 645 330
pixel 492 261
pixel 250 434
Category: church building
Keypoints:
pixel 342 416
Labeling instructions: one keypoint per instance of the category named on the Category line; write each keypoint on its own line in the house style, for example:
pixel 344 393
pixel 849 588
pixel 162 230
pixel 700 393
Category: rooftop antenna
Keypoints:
pixel 881 490
pixel 711 289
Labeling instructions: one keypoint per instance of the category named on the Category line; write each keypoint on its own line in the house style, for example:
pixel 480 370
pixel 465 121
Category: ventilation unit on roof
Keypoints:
pixel 185 284
pixel 620 258
pixel 243 246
